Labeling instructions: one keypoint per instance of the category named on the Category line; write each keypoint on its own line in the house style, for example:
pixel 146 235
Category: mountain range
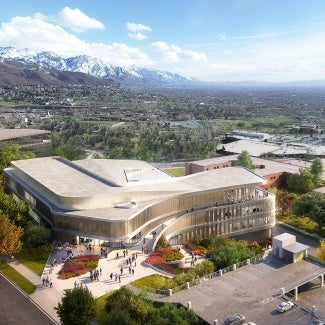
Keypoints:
pixel 129 76
pixel 19 74
pixel 18 67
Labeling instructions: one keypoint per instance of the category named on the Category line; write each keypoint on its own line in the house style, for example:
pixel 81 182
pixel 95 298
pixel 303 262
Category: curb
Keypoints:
pixel 30 299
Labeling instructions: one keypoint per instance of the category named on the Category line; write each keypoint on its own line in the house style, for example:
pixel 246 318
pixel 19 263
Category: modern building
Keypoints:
pixel 119 202
pixel 277 149
pixel 275 173
pixel 253 147
pixel 248 135
pixel 33 140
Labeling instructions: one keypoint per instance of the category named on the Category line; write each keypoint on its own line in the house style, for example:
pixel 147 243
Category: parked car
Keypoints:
pixel 284 306
pixel 236 319
pixel 249 323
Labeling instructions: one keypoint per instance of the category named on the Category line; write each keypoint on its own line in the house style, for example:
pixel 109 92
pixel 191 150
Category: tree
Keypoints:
pixel 311 205
pixel 203 268
pixel 69 152
pixel 17 211
pixel 225 256
pixel 36 236
pixel 10 152
pixel 283 201
pixel 77 307
pixel 10 236
pixel 171 314
pixel 301 183
pixel 232 252
pixel 119 317
pixel 162 242
pixel 125 299
pixel 320 251
pixel 245 160
pixel 317 170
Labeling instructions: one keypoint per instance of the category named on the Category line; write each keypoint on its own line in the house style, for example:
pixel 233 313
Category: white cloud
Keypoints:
pixel 137 31
pixel 227 52
pixel 174 53
pixel 134 28
pixel 137 36
pixel 39 35
pixel 74 19
pixel 280 56
pixel 224 37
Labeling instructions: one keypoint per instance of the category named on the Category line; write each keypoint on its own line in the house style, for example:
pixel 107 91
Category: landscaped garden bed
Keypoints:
pixel 78 265
pixel 167 259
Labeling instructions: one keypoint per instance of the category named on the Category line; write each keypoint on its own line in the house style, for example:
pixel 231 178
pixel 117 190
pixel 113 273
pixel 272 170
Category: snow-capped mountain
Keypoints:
pixel 135 76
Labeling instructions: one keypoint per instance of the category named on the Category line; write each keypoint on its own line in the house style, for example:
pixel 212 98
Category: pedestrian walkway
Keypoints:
pixel 45 297
pixel 116 263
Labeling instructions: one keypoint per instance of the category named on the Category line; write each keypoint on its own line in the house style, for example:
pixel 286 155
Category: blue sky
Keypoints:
pixel 211 40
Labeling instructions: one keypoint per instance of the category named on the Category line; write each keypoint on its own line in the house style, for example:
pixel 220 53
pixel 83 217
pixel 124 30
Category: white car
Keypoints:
pixel 284 306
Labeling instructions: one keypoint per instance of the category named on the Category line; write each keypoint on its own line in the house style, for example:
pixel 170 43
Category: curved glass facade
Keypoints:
pixel 221 212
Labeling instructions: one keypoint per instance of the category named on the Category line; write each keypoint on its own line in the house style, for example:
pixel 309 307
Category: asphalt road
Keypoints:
pixel 17 309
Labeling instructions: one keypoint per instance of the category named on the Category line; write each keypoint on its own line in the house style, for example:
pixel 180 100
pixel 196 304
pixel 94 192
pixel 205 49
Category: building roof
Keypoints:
pixel 7 134
pixel 284 236
pixel 216 160
pixel 288 150
pixel 268 167
pixel 264 168
pixel 240 134
pixel 97 184
pixel 295 247
pixel 254 148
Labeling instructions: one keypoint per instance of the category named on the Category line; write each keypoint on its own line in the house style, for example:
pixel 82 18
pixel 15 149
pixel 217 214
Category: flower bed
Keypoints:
pixel 78 265
pixel 199 251
pixel 166 259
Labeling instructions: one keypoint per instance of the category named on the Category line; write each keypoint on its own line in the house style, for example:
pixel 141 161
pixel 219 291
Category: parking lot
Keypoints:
pixel 254 291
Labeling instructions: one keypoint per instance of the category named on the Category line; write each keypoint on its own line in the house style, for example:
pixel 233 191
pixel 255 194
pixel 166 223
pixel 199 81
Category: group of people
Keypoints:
pixel 94 274
pixel 47 282
pixel 125 267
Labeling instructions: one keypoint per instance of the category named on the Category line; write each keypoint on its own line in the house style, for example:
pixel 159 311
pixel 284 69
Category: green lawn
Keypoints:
pixel 303 223
pixel 101 313
pixel 8 104
pixel 35 260
pixel 177 171
pixel 17 278
pixel 155 282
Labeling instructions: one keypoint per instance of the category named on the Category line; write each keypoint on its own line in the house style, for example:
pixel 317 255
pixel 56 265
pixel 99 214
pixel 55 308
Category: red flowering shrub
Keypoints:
pixel 78 265
pixel 155 259
pixel 199 250
pixel 166 254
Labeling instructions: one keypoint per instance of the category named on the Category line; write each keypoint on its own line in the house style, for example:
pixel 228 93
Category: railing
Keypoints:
pixel 315 259
pixel 198 280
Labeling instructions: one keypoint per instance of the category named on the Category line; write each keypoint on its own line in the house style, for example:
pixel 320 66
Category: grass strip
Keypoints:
pixel 34 260
pixel 17 278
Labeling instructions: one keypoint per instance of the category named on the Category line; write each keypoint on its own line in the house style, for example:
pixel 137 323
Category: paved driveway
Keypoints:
pixel 253 291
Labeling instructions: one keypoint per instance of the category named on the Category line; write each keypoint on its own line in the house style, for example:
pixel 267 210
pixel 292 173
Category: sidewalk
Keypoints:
pixel 47 298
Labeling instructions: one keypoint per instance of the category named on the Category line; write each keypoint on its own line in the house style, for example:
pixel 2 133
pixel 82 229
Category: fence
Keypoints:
pixel 199 280
pixel 315 259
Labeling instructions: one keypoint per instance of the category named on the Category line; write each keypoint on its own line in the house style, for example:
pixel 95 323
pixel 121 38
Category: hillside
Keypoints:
pixel 19 74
